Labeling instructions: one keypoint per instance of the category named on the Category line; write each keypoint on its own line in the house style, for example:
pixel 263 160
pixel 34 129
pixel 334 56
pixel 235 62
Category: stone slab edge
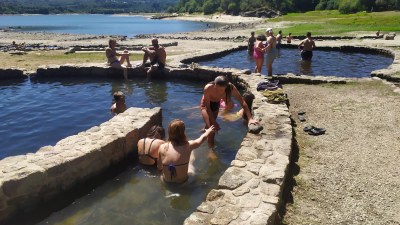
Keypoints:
pixel 36 178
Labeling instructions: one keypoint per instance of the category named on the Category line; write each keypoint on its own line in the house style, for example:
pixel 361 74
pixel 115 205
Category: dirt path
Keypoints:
pixel 350 175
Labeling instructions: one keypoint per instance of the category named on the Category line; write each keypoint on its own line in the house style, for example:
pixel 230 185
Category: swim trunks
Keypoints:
pixel 213 105
pixel 271 56
pixel 306 55
pixel 160 65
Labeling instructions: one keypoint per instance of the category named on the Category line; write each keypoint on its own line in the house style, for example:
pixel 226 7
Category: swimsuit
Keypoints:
pixel 148 152
pixel 258 54
pixel 160 64
pixel 306 55
pixel 172 167
pixel 213 105
pixel 271 55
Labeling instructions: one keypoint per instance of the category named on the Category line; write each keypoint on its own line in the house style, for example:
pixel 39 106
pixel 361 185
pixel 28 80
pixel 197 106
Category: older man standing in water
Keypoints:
pixel 157 55
pixel 270 49
pixel 307 46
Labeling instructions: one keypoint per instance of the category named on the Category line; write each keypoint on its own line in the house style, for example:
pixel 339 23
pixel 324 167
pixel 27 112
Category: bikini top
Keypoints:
pixel 172 167
pixel 148 152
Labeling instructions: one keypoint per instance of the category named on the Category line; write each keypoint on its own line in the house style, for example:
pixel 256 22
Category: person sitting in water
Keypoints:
pixel 148 147
pixel 157 55
pixel 289 38
pixel 119 103
pixel 214 91
pixel 248 98
pixel 115 61
pixel 176 156
pixel 307 46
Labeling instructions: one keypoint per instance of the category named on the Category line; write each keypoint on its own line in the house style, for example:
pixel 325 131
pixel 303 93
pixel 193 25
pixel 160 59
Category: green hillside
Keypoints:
pixel 84 6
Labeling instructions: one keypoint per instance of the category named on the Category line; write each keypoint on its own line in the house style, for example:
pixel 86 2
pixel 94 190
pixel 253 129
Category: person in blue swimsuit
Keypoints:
pixel 148 146
pixel 176 156
pixel 116 60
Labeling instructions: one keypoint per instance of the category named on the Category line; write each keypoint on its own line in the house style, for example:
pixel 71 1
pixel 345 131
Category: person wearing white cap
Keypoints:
pixel 270 49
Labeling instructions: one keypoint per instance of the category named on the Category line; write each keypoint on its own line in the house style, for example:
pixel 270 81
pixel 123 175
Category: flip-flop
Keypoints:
pixel 308 128
pixel 316 131
pixel 301 116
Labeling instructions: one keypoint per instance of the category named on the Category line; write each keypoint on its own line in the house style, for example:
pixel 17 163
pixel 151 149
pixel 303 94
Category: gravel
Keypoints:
pixel 351 174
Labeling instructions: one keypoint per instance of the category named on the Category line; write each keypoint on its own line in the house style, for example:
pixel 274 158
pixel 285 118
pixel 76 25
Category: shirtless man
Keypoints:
pixel 250 44
pixel 289 38
pixel 306 47
pixel 270 49
pixel 157 55
pixel 119 105
pixel 214 91
pixel 115 61
pixel 176 156
pixel 279 39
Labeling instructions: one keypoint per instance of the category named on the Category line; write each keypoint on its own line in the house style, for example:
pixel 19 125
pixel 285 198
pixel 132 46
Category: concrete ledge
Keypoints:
pixel 27 181
pixel 12 74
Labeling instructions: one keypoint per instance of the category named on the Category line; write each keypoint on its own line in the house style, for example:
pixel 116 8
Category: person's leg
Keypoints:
pixel 259 64
pixel 206 117
pixel 269 67
pixel 125 58
pixel 121 67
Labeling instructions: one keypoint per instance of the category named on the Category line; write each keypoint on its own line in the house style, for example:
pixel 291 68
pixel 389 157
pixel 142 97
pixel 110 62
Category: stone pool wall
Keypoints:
pixel 12 74
pixel 36 179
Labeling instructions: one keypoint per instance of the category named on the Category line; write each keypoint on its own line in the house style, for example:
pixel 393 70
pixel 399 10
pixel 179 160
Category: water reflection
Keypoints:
pixel 305 67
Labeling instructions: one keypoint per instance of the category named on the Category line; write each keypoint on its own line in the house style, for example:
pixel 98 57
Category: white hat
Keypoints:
pixel 269 30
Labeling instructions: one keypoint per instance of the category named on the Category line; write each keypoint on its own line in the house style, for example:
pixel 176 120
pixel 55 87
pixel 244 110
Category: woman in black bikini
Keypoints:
pixel 175 158
pixel 214 91
pixel 117 62
pixel 148 147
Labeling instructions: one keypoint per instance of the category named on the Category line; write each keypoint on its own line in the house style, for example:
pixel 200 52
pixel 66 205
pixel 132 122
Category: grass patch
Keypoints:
pixel 333 23
pixel 33 60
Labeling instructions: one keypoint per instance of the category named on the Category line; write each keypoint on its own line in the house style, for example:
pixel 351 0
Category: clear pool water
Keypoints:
pixel 37 113
pixel 326 63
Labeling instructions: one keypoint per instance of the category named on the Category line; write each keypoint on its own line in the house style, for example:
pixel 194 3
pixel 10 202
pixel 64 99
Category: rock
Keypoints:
pixel 255 128
pixel 390 36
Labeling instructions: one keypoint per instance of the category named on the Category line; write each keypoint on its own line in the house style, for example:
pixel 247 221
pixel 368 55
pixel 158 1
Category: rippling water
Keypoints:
pixel 327 63
pixel 97 24
pixel 37 113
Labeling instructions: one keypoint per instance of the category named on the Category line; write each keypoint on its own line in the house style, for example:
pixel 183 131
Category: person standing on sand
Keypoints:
pixel 270 49
pixel 119 106
pixel 116 62
pixel 306 47
pixel 157 55
pixel 258 53
pixel 250 44
pixel 176 156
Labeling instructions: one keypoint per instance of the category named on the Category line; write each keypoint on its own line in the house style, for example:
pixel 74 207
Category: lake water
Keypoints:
pixel 42 112
pixel 97 24
pixel 326 63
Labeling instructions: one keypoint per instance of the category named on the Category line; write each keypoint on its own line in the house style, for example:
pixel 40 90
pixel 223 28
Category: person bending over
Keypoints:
pixel 214 91
pixel 116 60
pixel 157 55
pixel 176 156
pixel 307 46
pixel 148 146
pixel 119 103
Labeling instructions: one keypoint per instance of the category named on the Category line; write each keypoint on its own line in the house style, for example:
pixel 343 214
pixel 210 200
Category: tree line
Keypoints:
pixel 84 6
pixel 237 6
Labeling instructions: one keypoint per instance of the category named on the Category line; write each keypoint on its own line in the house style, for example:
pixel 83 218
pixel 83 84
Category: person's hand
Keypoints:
pixel 209 130
pixel 253 121
pixel 144 49
pixel 217 127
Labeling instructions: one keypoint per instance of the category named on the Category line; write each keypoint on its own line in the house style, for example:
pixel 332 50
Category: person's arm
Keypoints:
pixel 301 43
pixel 244 105
pixel 193 144
pixel 313 44
pixel 108 53
pixel 260 46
